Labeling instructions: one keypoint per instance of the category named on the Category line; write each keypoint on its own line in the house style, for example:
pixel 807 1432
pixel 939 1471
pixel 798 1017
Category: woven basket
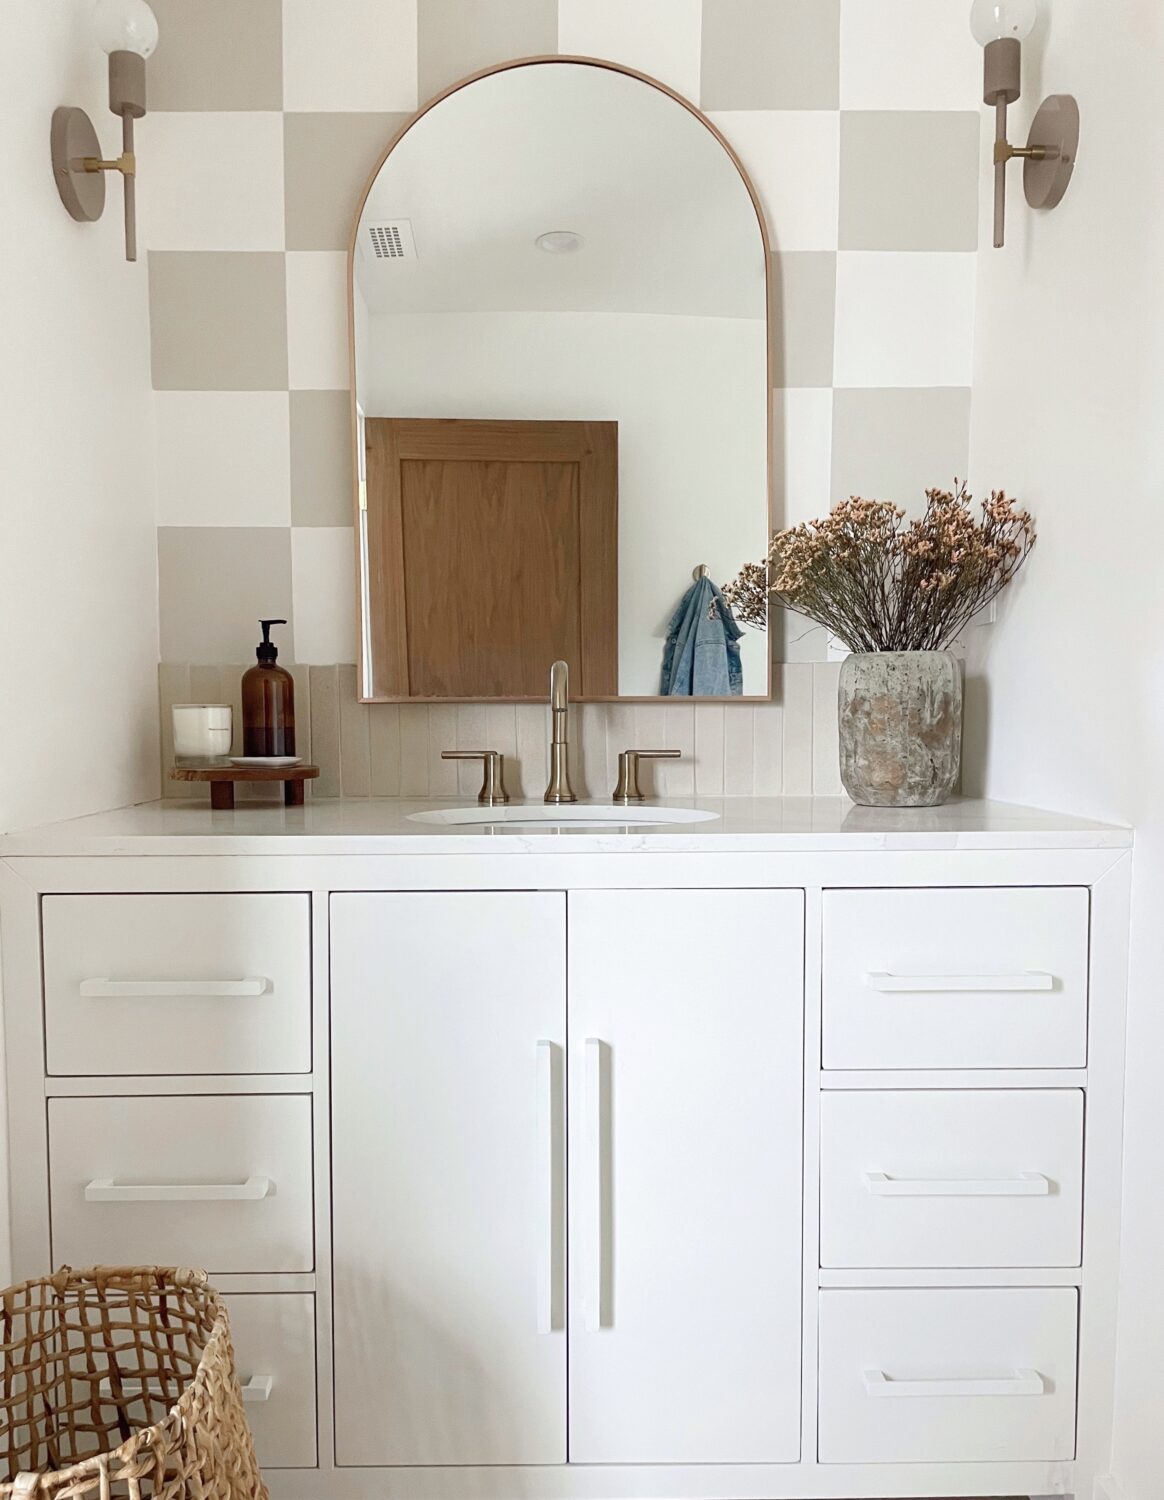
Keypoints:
pixel 120 1382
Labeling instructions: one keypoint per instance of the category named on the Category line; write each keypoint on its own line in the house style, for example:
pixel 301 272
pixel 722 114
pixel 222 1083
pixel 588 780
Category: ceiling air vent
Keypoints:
pixel 391 239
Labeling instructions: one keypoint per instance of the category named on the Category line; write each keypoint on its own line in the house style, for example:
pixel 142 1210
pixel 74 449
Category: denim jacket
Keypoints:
pixel 702 656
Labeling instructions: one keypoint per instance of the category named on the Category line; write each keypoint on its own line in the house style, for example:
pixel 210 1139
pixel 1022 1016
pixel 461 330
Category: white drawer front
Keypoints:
pixel 947 1376
pixel 177 984
pixel 956 978
pixel 984 1177
pixel 274 1350
pixel 222 1183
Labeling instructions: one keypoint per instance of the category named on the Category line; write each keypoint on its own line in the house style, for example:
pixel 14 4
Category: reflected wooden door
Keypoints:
pixel 492 552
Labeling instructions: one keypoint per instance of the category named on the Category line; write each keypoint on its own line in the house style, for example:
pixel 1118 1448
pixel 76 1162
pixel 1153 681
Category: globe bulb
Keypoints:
pixel 125 26
pixel 991 20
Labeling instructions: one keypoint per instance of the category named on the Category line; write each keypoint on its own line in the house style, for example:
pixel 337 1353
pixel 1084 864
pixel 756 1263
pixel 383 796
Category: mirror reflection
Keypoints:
pixel 559 312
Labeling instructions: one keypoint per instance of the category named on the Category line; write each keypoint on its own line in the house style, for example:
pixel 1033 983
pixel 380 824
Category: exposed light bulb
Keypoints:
pixel 991 20
pixel 125 26
pixel 559 242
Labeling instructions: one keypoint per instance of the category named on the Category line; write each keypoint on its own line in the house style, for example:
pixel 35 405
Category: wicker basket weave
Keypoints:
pixel 120 1382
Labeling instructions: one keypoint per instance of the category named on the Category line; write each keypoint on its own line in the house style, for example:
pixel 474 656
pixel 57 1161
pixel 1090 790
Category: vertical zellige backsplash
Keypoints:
pixel 786 747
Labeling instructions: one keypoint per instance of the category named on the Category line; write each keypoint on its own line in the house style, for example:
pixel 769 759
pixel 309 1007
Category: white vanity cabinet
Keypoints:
pixel 770 1158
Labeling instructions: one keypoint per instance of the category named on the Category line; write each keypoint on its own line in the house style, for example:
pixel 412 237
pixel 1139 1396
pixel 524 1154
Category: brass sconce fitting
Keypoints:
pixel 128 31
pixel 1049 156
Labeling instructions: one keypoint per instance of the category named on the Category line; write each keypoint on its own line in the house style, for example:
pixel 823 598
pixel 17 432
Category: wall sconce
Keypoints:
pixel 1001 27
pixel 128 31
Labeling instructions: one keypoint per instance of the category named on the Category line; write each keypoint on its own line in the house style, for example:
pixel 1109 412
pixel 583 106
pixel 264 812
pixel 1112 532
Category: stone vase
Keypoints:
pixel 900 718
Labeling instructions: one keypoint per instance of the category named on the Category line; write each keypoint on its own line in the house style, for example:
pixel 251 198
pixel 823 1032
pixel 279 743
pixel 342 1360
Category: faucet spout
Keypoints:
pixel 559 788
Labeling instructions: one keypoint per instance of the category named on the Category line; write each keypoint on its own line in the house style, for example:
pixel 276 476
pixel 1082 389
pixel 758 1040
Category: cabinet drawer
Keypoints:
pixel 274 1349
pixel 989 1177
pixel 956 978
pixel 953 1376
pixel 223 1183
pixel 177 984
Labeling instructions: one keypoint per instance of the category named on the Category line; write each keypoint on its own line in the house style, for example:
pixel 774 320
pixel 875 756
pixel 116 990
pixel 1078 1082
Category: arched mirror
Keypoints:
pixel 559 333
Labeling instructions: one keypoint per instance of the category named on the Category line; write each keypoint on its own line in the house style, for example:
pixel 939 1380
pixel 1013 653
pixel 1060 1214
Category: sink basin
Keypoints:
pixel 576 814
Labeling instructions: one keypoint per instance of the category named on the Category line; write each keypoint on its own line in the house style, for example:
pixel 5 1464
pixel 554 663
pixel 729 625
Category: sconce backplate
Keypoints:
pixel 73 141
pixel 1055 128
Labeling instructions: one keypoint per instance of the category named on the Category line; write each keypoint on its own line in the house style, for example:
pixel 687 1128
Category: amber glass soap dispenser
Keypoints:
pixel 268 701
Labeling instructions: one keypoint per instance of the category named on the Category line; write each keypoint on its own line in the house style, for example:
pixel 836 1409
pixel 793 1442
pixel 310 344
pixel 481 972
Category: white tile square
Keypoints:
pixel 905 319
pixel 212 181
pixel 709 734
pixel 349 55
pixel 802 454
pixel 659 37
pixel 323 593
pixel 223 458
pixel 317 320
pixel 908 54
pixel 794 160
pixel 739 762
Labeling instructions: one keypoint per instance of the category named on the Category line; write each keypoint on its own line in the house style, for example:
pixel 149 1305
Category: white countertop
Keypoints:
pixel 747 824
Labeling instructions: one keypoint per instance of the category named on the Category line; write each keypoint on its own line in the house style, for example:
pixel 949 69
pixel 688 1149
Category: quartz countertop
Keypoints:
pixel 741 824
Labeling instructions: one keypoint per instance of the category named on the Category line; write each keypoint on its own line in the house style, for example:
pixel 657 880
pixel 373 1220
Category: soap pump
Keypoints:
pixel 268 701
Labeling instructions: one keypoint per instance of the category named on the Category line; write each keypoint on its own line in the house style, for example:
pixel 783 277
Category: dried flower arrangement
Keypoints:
pixel 880 586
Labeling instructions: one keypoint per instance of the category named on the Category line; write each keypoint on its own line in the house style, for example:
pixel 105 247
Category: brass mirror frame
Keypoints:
pixel 353 241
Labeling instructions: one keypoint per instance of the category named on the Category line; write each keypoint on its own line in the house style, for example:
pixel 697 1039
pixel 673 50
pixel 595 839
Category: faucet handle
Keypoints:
pixel 493 764
pixel 628 789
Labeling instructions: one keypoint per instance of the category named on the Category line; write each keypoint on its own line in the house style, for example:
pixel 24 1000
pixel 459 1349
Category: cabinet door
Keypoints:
pixel 448 1032
pixel 685 1080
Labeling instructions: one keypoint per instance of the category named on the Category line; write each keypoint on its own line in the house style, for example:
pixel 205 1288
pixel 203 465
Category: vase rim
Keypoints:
pixel 941 651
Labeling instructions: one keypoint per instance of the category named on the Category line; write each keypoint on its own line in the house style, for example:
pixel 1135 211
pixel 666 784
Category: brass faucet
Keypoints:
pixel 559 789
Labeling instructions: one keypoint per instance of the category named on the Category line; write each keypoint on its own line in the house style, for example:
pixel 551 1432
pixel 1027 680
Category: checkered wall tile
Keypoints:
pixel 858 121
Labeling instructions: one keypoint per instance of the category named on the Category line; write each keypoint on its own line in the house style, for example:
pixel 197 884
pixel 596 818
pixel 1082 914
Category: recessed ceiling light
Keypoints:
pixel 559 242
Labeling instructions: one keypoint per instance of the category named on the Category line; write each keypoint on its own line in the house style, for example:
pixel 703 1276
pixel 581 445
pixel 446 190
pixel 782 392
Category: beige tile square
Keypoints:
pixel 217 54
pixel 321 458
pixel 908 54
pixel 215 583
pixel 659 37
pixel 768 744
pixel 909 180
pixel 803 300
pixel 442 735
pixel 771 54
pixel 709 749
pixel 905 318
pixel 327 160
pixel 896 444
pixel 325 731
pixel 217 182
pixel 414 750
pixel 223 458
pixel 739 763
pixel 349 54
pixel 317 320
pixel 218 321
pixel 355 738
pixel 455 38
pixel 793 159
pixel 323 574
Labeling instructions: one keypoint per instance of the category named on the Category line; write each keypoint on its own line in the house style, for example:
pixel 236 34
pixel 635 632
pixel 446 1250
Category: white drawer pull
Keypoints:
pixel 257 1388
pixel 1021 1383
pixel 892 984
pixel 1025 1185
pixel 165 989
pixel 105 1190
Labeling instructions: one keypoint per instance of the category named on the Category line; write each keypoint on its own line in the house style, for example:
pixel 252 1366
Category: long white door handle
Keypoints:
pixel 1025 1185
pixel 550 1260
pixel 595 1256
pixel 257 1388
pixel 1021 1383
pixel 166 989
pixel 106 1190
pixel 892 984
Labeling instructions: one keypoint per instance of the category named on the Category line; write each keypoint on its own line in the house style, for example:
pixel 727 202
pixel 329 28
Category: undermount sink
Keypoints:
pixel 584 814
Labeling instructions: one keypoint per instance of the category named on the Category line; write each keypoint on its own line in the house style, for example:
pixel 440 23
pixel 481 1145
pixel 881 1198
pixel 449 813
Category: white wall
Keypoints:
pixel 1069 414
pixel 78 571
pixel 689 398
